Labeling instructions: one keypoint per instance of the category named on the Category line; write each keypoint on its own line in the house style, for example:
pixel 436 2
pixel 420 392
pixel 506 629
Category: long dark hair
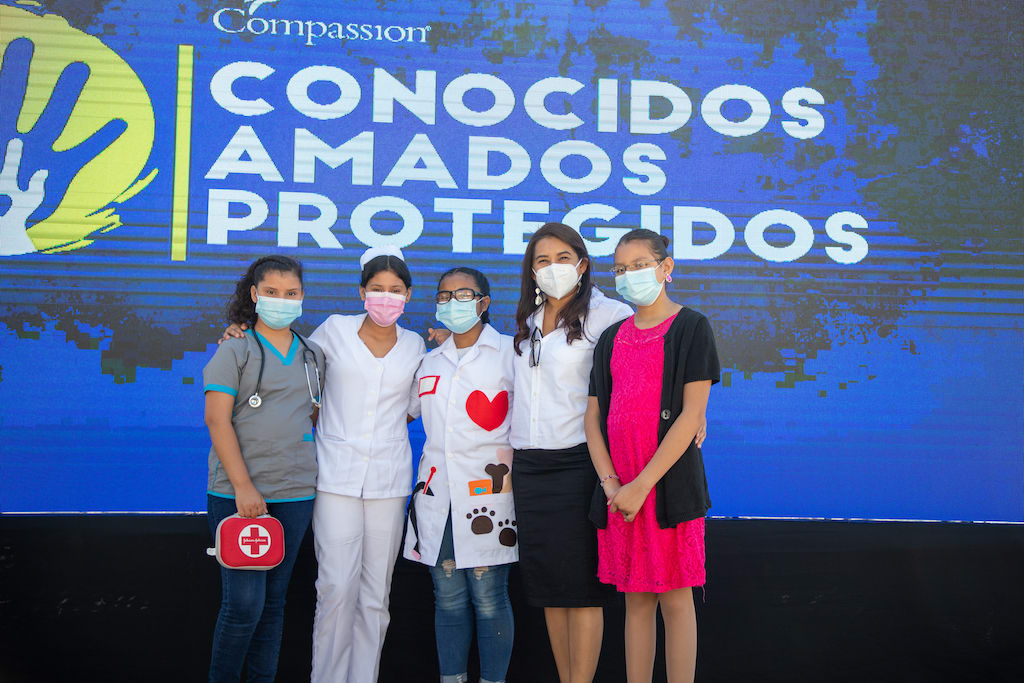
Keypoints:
pixel 241 308
pixel 482 285
pixel 573 315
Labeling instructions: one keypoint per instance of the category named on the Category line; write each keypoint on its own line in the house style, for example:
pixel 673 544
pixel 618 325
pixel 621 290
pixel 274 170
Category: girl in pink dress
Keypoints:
pixel 649 391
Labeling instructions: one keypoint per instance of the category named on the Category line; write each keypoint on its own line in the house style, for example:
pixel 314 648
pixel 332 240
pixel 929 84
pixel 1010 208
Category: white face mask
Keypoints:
pixel 558 279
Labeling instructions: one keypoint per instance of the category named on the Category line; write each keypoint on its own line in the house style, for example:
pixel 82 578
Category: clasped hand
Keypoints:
pixel 626 499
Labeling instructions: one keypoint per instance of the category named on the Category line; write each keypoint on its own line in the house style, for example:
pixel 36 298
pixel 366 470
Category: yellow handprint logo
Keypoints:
pixel 102 137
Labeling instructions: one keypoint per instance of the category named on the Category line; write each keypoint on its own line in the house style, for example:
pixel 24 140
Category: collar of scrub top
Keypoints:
pixel 256 400
pixel 488 337
pixel 374 252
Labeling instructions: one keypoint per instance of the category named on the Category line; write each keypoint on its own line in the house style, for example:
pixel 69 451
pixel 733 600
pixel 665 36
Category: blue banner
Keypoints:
pixel 841 184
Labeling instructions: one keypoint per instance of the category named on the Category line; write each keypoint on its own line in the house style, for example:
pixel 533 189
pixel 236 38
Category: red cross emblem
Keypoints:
pixel 256 543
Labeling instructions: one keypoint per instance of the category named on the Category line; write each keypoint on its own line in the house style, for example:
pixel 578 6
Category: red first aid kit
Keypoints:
pixel 249 542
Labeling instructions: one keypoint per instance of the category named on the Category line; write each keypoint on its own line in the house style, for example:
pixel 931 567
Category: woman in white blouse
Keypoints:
pixel 560 317
pixel 365 469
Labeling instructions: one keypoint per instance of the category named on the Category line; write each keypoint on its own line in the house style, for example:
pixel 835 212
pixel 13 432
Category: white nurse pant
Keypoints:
pixel 356 543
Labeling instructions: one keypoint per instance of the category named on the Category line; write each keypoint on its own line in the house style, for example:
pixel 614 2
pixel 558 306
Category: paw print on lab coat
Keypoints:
pixel 482 523
pixel 507 536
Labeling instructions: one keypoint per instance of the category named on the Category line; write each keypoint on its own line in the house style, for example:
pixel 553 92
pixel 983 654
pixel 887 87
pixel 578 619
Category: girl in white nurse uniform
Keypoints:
pixel 365 463
pixel 462 521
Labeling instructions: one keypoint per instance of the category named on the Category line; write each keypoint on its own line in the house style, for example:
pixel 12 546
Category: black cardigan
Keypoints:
pixel 690 356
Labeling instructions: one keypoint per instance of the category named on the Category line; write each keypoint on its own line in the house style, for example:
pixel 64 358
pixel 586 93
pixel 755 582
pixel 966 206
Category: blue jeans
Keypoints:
pixel 251 614
pixel 458 593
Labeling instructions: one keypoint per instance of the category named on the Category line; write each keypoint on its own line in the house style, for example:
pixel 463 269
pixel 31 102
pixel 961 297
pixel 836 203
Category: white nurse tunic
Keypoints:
pixel 362 440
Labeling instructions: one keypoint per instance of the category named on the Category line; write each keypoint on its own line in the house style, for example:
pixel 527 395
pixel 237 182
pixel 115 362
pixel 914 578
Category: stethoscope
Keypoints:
pixel 255 401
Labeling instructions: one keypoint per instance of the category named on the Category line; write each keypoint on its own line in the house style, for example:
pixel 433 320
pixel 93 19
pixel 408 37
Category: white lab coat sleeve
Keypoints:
pixel 508 356
pixel 414 395
pixel 414 390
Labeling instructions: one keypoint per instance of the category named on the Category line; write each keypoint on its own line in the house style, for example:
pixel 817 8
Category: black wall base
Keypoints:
pixel 134 598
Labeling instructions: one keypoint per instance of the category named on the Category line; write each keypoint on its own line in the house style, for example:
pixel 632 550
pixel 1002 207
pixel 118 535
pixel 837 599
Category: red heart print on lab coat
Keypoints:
pixel 487 413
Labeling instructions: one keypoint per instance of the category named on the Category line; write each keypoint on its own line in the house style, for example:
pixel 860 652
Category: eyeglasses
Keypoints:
pixel 464 294
pixel 636 265
pixel 535 339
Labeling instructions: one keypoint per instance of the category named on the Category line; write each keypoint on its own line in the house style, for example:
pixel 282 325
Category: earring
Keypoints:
pixel 538 300
pixel 668 278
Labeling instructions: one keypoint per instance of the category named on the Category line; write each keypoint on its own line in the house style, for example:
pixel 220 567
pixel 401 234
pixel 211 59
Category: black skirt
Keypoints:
pixel 557 541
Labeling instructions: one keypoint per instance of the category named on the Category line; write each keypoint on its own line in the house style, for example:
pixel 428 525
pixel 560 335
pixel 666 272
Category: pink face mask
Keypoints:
pixel 384 308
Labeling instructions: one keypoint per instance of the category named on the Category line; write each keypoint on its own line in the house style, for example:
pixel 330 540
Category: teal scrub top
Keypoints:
pixel 276 438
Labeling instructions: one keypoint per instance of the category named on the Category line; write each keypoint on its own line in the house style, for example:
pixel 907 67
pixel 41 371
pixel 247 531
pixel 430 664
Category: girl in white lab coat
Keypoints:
pixel 462 521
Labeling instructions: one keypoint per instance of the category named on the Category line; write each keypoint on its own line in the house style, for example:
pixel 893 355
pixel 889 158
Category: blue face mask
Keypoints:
pixel 639 287
pixel 278 313
pixel 458 316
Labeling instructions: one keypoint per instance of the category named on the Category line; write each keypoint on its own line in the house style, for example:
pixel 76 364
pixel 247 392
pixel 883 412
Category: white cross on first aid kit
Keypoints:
pixel 248 542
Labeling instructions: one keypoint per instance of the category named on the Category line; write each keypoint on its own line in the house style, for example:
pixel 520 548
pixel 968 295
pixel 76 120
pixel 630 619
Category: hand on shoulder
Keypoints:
pixel 438 335
pixel 233 331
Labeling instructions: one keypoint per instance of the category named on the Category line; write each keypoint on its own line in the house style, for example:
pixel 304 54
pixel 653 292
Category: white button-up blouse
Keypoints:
pixel 362 442
pixel 551 397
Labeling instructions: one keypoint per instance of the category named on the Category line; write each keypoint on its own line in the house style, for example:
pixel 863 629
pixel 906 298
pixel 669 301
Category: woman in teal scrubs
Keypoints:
pixel 262 395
